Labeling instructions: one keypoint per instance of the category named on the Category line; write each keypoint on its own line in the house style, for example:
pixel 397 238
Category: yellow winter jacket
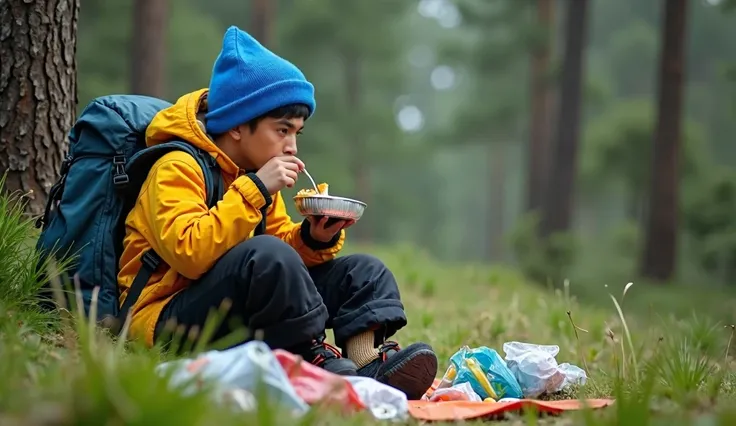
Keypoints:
pixel 171 216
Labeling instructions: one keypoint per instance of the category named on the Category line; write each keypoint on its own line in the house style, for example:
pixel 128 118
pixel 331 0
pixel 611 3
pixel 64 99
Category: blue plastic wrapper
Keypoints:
pixel 485 370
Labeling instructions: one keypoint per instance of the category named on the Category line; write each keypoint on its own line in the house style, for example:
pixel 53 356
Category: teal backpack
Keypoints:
pixel 101 177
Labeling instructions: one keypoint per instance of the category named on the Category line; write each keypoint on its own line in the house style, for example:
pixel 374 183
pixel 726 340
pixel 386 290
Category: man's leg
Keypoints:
pixel 365 309
pixel 269 292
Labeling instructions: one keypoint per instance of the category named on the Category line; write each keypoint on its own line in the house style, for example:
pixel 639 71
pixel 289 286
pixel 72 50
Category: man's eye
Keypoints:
pixel 283 131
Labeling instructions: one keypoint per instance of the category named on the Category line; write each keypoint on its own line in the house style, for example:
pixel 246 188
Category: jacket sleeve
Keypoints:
pixel 188 235
pixel 297 235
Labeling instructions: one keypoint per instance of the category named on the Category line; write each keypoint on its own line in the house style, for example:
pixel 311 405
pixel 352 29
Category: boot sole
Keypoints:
pixel 413 375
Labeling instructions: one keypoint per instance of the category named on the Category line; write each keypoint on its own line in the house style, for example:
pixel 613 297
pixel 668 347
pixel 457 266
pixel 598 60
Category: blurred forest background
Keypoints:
pixel 495 131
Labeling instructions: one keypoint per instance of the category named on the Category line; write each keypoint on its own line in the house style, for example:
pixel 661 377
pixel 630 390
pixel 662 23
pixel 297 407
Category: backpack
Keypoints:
pixel 100 179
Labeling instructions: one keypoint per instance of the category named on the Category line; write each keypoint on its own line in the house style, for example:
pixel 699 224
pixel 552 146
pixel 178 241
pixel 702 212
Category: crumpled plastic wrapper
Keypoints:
pixel 236 374
pixel 537 371
pixel 383 401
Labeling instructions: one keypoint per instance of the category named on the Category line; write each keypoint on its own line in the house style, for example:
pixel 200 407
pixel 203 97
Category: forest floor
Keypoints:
pixel 666 369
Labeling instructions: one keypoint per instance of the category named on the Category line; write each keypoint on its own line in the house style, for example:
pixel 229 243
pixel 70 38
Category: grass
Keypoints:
pixel 661 369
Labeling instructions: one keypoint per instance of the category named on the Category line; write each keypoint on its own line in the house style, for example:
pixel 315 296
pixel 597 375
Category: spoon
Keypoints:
pixel 331 221
pixel 312 180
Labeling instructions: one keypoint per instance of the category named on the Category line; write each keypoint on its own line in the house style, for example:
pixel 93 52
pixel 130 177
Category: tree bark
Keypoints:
pixel 262 13
pixel 660 249
pixel 539 132
pixel 359 160
pixel 557 215
pixel 38 93
pixel 148 54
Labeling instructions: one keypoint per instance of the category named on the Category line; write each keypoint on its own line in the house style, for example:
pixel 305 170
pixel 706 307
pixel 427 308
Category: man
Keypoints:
pixel 282 279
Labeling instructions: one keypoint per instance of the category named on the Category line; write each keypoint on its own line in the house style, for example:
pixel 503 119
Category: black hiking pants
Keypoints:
pixel 282 302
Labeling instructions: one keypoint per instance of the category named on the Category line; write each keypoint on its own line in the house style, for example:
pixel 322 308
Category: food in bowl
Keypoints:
pixel 310 192
pixel 313 203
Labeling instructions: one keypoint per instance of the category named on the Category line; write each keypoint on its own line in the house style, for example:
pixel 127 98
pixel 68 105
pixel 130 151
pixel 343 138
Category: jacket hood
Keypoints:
pixel 183 120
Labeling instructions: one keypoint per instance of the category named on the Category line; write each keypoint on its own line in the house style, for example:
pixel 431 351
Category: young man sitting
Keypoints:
pixel 283 280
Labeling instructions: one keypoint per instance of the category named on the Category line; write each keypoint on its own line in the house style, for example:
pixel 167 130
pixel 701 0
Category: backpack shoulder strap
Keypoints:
pixel 141 163
pixel 138 167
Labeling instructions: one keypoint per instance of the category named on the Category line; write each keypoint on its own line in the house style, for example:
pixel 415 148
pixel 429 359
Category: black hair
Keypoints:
pixel 288 111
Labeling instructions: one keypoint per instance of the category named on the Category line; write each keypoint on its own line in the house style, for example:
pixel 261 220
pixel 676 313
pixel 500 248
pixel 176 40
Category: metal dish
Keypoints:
pixel 330 206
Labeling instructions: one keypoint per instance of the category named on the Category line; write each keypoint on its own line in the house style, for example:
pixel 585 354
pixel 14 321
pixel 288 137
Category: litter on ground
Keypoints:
pixel 478 383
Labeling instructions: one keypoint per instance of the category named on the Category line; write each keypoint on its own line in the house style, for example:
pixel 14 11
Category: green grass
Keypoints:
pixel 55 369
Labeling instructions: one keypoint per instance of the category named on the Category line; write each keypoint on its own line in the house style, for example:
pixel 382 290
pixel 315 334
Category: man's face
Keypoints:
pixel 272 137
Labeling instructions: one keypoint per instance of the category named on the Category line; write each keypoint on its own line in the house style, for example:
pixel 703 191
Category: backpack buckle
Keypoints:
pixel 150 260
pixel 120 178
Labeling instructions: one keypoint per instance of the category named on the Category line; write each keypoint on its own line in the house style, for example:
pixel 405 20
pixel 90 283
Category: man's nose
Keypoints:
pixel 290 147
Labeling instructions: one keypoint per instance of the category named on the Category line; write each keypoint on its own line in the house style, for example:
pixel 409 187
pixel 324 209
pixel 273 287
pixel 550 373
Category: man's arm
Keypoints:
pixel 188 235
pixel 297 235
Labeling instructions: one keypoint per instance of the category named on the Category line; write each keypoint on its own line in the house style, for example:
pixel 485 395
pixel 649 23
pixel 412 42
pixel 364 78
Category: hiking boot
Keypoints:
pixel 329 358
pixel 410 370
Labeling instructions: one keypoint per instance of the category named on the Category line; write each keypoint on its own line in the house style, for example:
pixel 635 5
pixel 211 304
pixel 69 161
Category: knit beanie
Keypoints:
pixel 249 80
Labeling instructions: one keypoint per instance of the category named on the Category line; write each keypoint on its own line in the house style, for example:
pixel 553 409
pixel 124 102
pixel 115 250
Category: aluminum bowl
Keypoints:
pixel 330 206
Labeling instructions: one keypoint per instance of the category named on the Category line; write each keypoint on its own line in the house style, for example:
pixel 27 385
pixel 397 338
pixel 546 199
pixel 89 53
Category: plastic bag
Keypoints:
pixel 486 372
pixel 383 401
pixel 236 374
pixel 316 385
pixel 236 398
pixel 573 375
pixel 460 392
pixel 536 369
pixel 448 378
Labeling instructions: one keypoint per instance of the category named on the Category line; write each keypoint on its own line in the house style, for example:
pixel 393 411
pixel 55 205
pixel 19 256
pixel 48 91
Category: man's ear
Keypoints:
pixel 235 133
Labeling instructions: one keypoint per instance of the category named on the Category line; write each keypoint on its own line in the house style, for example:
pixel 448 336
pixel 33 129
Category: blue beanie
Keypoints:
pixel 249 80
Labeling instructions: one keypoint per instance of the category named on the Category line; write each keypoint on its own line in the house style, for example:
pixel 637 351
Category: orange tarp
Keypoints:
pixel 466 410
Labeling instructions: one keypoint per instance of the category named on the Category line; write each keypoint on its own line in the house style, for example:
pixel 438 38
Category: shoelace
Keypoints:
pixel 386 347
pixel 324 351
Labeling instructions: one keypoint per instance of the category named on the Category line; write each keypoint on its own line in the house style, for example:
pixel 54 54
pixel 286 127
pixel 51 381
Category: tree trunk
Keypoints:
pixel 261 23
pixel 359 160
pixel 539 132
pixel 660 249
pixel 557 215
pixel 38 93
pixel 148 55
pixel 497 198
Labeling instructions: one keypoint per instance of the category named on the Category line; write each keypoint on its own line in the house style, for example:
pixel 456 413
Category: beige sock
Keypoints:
pixel 360 348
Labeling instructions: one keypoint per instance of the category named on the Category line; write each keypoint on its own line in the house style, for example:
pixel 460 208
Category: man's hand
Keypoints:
pixel 280 172
pixel 324 234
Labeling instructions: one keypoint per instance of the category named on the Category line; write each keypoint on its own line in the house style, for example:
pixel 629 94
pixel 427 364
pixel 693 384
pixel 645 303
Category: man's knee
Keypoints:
pixel 365 262
pixel 273 272
pixel 370 270
pixel 256 258
pixel 267 249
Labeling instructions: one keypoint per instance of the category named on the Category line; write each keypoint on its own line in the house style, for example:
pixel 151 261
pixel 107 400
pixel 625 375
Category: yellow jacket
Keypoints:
pixel 171 216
